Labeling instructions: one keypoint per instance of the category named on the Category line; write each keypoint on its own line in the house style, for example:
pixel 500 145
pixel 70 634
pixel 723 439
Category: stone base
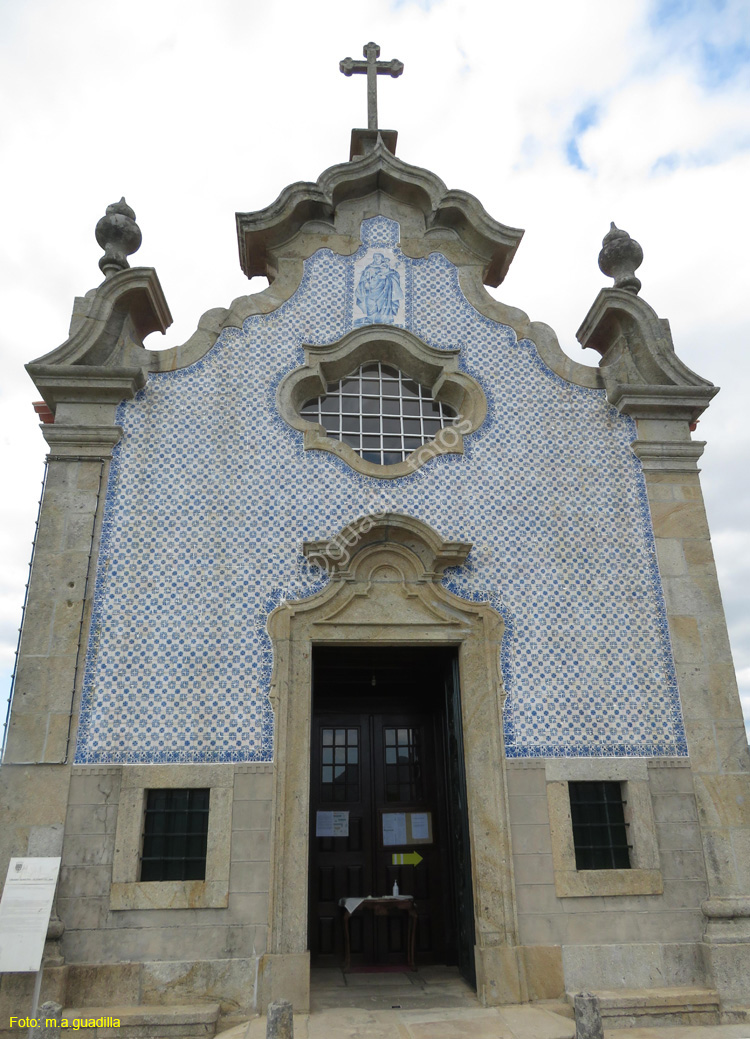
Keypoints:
pixel 178 1022
pixel 230 984
pixel 284 976
pixel 729 964
pixel 498 975
pixel 648 1008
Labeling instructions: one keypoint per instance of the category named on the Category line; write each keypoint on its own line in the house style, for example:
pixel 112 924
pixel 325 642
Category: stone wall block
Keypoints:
pixel 720 863
pixel 673 778
pixel 723 800
pixel 253 786
pixel 38 626
pixel 679 519
pixel 251 815
pixel 682 865
pixel 699 556
pixel 251 846
pixel 678 836
pixel 84 882
pixel 526 781
pixel 26 737
pixel 59 729
pixel 249 877
pixel 674 807
pixel 531 839
pixel 227 982
pixel 84 914
pixel 536 898
pixel 103 984
pixel 66 625
pixel 44 683
pixel 543 928
pixel 671 556
pixel 99 818
pixel 88 849
pixel 709 691
pixel 102 788
pixel 132 944
pixel 543 971
pixel 741 847
pixel 686 643
pixel 528 808
pixel 533 869
pixel 249 907
pixel 683 964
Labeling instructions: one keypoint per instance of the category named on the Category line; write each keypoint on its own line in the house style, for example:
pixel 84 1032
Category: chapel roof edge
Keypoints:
pixel 259 233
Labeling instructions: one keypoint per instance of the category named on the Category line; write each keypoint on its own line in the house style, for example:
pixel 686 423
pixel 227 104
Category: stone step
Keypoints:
pixel 645 1007
pixel 145 1022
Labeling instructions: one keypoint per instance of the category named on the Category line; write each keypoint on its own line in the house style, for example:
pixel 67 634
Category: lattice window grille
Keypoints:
pixel 379 412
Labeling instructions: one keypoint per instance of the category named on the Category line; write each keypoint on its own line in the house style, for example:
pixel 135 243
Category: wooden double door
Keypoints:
pixel 380 769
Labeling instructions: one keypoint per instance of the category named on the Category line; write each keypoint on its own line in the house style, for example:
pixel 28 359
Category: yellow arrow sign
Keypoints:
pixel 409 858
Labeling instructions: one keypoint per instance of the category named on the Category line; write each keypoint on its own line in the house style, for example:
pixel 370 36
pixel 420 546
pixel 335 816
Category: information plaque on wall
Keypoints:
pixel 400 828
pixel 24 912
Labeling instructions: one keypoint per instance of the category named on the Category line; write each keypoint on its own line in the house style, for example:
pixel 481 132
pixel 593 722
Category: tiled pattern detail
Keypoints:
pixel 211 495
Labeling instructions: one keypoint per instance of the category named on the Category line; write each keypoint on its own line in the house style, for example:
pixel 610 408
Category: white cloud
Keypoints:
pixel 195 110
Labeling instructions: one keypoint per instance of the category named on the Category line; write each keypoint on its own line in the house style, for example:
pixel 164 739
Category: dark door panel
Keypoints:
pixel 384 739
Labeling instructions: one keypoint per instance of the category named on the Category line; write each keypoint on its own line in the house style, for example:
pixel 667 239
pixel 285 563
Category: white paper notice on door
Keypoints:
pixel 394 828
pixel 332 824
pixel 420 826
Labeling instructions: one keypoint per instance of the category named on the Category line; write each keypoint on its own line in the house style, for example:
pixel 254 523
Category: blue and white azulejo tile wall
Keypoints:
pixel 211 495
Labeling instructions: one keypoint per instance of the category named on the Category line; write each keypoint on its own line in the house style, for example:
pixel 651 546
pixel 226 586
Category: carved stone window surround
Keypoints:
pixel 644 877
pixel 437 369
pixel 126 891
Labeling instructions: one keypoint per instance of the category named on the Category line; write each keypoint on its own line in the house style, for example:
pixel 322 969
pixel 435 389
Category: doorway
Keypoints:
pixel 387 804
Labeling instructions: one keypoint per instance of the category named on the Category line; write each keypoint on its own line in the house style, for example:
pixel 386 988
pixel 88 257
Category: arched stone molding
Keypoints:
pixel 389 593
pixel 437 369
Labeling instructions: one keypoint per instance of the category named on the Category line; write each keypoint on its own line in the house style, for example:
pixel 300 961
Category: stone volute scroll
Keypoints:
pixel 119 235
pixel 641 372
pixel 103 361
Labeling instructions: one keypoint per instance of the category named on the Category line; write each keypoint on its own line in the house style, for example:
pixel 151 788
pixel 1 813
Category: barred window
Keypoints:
pixel 175 835
pixel 379 412
pixel 600 834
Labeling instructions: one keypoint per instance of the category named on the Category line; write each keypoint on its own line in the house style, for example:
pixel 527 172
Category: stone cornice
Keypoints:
pixel 259 234
pixel 85 383
pixel 669 456
pixel 71 441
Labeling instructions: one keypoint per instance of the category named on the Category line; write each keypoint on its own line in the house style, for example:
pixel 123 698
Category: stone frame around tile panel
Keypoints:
pixel 644 877
pixel 436 369
pixel 126 891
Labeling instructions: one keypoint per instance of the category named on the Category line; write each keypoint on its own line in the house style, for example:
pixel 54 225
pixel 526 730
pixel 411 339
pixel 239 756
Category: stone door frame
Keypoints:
pixel 387 590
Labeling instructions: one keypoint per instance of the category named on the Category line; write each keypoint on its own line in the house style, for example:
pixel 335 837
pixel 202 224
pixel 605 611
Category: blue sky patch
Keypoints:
pixel 584 119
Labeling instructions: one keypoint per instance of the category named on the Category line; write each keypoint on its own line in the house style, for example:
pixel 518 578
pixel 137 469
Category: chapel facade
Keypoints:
pixel 369 584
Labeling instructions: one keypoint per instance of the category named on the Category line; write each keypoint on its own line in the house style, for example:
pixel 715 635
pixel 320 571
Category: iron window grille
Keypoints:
pixel 600 833
pixel 175 835
pixel 380 413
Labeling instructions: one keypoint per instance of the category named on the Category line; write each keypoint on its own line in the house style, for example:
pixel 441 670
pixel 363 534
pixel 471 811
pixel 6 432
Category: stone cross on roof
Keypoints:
pixel 373 68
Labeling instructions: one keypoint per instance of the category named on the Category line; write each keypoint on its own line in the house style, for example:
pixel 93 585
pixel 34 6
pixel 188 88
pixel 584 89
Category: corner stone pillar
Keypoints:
pixel 82 382
pixel 717 741
pixel 52 650
pixel 645 379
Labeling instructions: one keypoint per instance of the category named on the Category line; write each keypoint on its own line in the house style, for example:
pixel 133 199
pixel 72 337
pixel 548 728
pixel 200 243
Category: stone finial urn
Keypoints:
pixel 119 235
pixel 619 258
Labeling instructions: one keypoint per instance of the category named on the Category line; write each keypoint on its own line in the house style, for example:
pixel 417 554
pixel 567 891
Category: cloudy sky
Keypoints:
pixel 559 117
